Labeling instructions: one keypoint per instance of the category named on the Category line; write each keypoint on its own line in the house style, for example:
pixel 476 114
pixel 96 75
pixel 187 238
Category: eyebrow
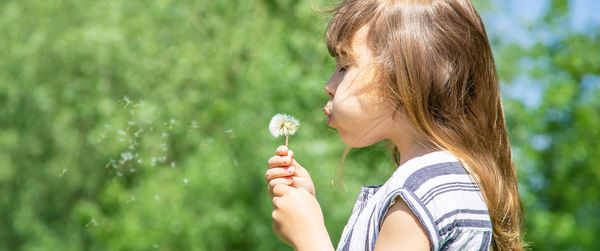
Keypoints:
pixel 347 57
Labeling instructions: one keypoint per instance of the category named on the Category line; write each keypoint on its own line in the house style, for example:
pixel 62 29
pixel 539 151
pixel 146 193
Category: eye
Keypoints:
pixel 343 69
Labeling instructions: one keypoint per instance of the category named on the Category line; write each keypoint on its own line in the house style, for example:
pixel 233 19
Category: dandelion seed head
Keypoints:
pixel 283 124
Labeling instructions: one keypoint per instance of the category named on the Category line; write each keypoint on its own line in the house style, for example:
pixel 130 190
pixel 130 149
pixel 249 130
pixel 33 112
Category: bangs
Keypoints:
pixel 348 17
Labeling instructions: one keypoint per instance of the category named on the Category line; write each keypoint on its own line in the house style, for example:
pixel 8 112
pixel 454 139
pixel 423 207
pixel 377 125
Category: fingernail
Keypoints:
pixel 290 169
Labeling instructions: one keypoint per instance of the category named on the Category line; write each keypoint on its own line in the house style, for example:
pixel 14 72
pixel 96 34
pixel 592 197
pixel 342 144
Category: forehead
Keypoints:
pixel 357 49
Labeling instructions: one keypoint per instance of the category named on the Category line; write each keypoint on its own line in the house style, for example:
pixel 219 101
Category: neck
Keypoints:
pixel 411 147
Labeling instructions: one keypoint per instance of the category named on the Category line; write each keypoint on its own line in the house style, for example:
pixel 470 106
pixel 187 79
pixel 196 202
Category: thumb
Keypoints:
pixel 299 170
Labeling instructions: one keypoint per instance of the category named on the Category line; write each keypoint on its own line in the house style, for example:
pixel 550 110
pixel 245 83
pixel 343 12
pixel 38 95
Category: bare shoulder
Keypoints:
pixel 401 230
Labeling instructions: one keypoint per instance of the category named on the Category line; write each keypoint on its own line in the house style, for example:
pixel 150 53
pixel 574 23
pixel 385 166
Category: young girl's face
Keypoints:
pixel 354 109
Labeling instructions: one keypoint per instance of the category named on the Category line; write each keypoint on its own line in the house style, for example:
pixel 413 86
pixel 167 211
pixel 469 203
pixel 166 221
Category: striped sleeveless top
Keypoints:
pixel 439 191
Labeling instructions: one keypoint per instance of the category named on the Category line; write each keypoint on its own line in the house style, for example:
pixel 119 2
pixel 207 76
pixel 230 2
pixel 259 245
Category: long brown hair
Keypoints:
pixel 434 60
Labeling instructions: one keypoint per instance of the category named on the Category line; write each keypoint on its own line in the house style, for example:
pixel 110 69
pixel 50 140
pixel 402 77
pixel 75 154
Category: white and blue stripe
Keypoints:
pixel 439 191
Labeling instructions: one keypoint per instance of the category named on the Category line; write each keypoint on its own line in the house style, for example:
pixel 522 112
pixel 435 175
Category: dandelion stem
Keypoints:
pixel 287 136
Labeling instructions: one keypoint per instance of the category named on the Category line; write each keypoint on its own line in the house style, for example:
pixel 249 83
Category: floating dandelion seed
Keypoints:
pixel 231 134
pixel 194 124
pixel 63 172
pixel 126 101
pixel 185 180
pixel 92 223
pixel 283 124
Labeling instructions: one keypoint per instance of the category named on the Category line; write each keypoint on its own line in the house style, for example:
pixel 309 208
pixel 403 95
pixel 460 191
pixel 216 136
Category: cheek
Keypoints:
pixel 346 108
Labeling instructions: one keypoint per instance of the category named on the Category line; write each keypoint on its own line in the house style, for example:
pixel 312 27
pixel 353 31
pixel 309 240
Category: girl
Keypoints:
pixel 421 74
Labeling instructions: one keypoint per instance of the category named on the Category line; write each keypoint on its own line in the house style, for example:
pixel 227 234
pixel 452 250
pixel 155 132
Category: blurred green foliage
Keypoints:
pixel 136 125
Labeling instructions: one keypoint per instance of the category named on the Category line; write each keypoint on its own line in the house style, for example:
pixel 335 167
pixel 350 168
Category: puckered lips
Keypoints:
pixel 326 111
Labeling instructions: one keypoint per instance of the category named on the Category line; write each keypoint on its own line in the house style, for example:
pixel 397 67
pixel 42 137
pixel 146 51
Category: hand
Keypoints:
pixel 283 169
pixel 298 220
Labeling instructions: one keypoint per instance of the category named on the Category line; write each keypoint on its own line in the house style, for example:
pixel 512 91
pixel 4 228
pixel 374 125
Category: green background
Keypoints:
pixel 142 125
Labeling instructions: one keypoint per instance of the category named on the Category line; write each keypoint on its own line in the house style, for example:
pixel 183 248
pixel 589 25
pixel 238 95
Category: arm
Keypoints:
pixel 401 230
pixel 298 220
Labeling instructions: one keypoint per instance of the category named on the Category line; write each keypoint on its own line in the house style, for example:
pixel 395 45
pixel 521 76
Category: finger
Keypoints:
pixel 281 150
pixel 279 161
pixel 281 189
pixel 274 182
pixel 279 172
